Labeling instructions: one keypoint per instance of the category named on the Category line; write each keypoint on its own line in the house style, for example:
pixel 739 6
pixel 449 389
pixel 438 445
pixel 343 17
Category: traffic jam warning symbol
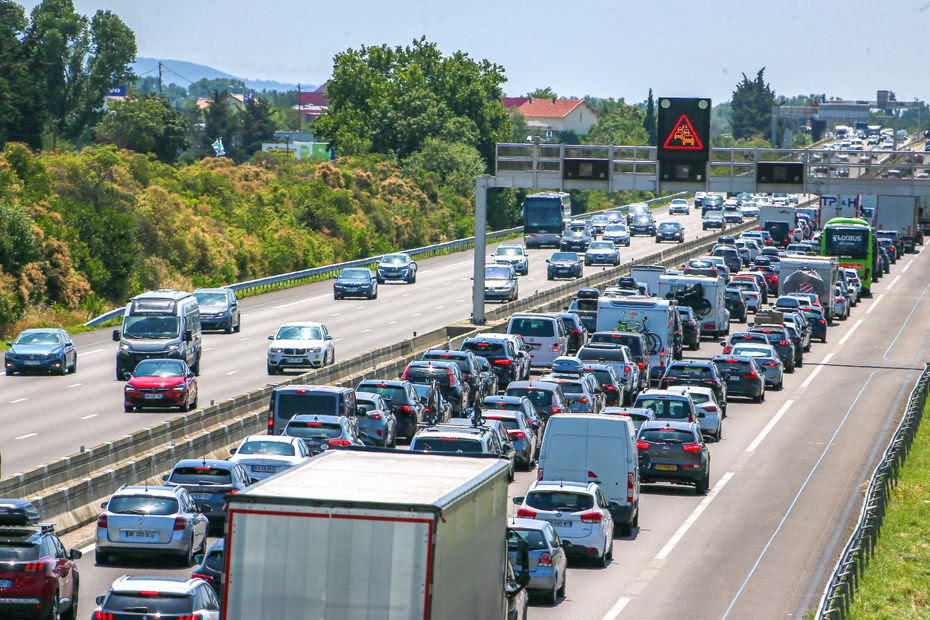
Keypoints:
pixel 683 137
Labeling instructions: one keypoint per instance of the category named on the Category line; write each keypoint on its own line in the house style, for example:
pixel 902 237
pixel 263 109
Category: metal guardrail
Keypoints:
pixel 362 262
pixel 838 594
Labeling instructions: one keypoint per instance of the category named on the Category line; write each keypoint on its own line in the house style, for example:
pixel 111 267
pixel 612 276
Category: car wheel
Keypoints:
pixel 561 590
pixel 229 327
pixel 196 367
pixel 549 277
pixel 552 597
pixel 187 558
pixel 336 297
pixel 53 613
pixel 194 403
pixel 128 408
pixel 413 280
pixel 73 368
pixel 71 614
pixel 625 529
pixel 64 368
pixel 700 488
pixel 272 370
pixel 608 553
pixel 719 434
pixel 102 558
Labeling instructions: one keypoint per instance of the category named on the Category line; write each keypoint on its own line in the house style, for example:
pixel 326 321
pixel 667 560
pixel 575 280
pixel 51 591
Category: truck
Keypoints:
pixel 810 274
pixel 371 534
pixel 780 222
pixel 834 205
pixel 899 213
pixel 706 296
pixel 868 204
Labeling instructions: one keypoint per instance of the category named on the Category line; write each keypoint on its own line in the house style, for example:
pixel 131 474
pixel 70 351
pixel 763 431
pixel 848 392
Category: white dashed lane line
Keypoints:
pixel 27 436
pixel 74 385
pixel 82 354
pixel 19 400
pixel 89 416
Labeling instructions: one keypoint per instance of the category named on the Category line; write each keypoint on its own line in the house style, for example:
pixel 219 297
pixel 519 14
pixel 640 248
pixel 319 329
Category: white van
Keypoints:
pixel 712 311
pixel 650 316
pixel 595 448
pixel 544 333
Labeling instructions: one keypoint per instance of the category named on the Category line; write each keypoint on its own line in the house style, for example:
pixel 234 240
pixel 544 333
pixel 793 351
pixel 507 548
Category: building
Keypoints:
pixel 237 100
pixel 554 116
pixel 313 104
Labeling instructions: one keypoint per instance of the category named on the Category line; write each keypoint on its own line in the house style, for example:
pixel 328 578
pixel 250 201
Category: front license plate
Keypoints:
pixel 6 584
pixel 139 534
pixel 200 495
pixel 32 362
pixel 153 397
pixel 264 468
pixel 666 467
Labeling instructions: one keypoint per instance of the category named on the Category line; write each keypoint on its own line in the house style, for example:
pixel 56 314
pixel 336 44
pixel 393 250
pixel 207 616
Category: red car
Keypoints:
pixel 38 578
pixel 161 383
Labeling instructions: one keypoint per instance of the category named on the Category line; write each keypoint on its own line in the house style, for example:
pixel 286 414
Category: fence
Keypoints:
pixel 840 590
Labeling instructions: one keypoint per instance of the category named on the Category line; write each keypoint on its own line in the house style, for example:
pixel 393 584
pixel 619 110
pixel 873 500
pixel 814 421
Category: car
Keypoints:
pixel 852 277
pixel 41 350
pixel 611 384
pixel 464 438
pixel 638 415
pixel 578 511
pixel 737 338
pixel 160 597
pixel 767 360
pixel 209 481
pixel 841 303
pixel 377 424
pixel 160 383
pixel 679 205
pixel 752 296
pixel 643 224
pixel 713 219
pixel 638 349
pixel 211 567
pixel 521 349
pixel 486 376
pixel 355 282
pixel 817 321
pixel 324 432
pixel 770 275
pixel 575 239
pixel 795 321
pixel 691 328
pixel 396 267
pixel 696 372
pixel 39 578
pixel 674 452
pixel 753 276
pixel 736 304
pixel 523 436
pixel 780 339
pixel 668 405
pixel 749 210
pixel 730 255
pixel 578 392
pixel 447 375
pixel 500 283
pixel 711 202
pixel 499 353
pixel 564 265
pixel 622 360
pixel 548 562
pixel 618 233
pixel 670 231
pixel 219 309
pixel 547 397
pixel 403 402
pixel 752 244
pixel 467 362
pixel 743 376
pixel 710 413
pixel 602 253
pixel 513 255
pixel 732 215
pixel 300 344
pixel 599 222
pixel 435 408
pixel 265 455
pixel 151 520
pixel 701 267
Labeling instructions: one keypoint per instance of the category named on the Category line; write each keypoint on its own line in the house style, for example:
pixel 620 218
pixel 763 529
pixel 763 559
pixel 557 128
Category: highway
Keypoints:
pixel 36 410
pixel 785 483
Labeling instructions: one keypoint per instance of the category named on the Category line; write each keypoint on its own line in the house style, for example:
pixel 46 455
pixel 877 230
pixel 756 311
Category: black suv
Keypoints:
pixel 643 224
pixel 743 377
pixel 452 384
pixel 468 364
pixel 779 338
pixel 691 327
pixel 403 400
pixel 499 352
pixel 699 373
pixel 736 304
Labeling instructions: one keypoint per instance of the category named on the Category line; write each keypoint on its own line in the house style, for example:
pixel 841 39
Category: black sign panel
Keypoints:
pixel 785 173
pixel 586 169
pixel 683 129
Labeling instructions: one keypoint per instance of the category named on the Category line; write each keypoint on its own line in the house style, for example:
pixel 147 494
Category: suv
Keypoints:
pixel 219 309
pixel 639 350
pixel 209 481
pixel 159 597
pixel 459 439
pixel 621 359
pixel 702 373
pixel 779 338
pixel 743 377
pixel 468 363
pixel 38 577
pixel 397 267
pixel 547 397
pixel 674 452
pixel 513 255
pixel 499 352
pixel 142 520
pixel 447 375
pixel 403 400
pixel 355 282
pixel 577 334
pixel 520 348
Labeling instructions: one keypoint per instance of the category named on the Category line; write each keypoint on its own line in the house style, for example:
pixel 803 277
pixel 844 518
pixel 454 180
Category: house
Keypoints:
pixel 558 115
pixel 238 100
pixel 313 104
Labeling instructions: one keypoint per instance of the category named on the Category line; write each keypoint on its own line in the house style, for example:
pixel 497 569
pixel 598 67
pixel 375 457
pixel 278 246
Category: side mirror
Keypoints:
pixel 253 481
pixel 518 500
pixel 103 505
pixel 327 337
pixel 75 554
pixel 115 337
pixel 722 344
pixel 233 450
pixel 270 337
pixel 547 260
pixel 9 344
pixel 188 336
pixel 198 559
pixel 165 477
pixel 99 600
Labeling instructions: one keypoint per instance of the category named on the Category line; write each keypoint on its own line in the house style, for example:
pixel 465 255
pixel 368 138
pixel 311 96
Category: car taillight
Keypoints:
pixel 555 347
pixel 711 408
pixel 539 473
pixel 527 513
pixel 103 615
pixel 374 416
pixel 190 617
pixel 640 365
pixel 102 521
pixel 727 349
pixel 751 375
pixel 233 492
pixel 629 487
pixel 584 399
pixel 180 523
pixel 270 422
pixel 206 578
pixel 592 517
pixel 405 408
pixel 642 445
pixel 691 447
pixel 840 300
pixel 822 321
pixel 339 442
pixel 545 559
pixel 626 369
pixel 576 331
pixel 610 388
pixel 783 343
pixel 403 377
pixel 451 378
pixel 517 434
pixel 502 362
pixel 556 410
pixel 713 272
pixel 36 567
pixel 770 363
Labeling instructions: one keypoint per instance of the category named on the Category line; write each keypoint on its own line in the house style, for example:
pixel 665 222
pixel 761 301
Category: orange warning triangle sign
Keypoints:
pixel 683 137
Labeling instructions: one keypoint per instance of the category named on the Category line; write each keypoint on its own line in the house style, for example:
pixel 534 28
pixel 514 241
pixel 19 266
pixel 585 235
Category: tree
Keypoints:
pixel 146 124
pixel 453 165
pixel 649 123
pixel 622 124
pixel 16 114
pixel 257 125
pixel 542 93
pixel 752 107
pixel 220 121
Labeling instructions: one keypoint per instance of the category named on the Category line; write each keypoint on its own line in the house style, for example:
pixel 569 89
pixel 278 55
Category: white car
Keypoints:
pixel 679 205
pixel 749 209
pixel 300 345
pixel 266 455
pixel 618 233
pixel 578 511
pixel 161 597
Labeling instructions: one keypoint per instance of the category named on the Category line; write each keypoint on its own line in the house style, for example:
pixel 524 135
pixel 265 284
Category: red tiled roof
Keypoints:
pixel 317 97
pixel 513 102
pixel 547 108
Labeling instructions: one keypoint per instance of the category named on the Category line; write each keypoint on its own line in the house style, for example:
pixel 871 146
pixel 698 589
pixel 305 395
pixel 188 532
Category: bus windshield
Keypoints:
pixel 847 241
pixel 543 215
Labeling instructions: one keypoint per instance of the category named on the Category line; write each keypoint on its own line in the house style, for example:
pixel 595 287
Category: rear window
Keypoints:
pixel 697 372
pixel 313 430
pixel 387 392
pixel 733 367
pixel 603 377
pixel 537 397
pixel 533 538
pixel 447 444
pixel 461 362
pixel 561 501
pixel 509 423
pixel 266 447
pixel 200 475
pixel 142 505
pixel 485 349
pixel 572 388
pixel 289 404
pixel 665 408
pixel 216 561
pixel 151 603
pixel 601 354
pixel 18 553
pixel 666 435
pixel 536 328
pixel 425 374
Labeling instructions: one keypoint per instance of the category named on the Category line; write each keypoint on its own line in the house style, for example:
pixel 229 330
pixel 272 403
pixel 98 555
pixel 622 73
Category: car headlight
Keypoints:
pixel 125 347
pixel 314 349
pixel 276 349
pixel 172 347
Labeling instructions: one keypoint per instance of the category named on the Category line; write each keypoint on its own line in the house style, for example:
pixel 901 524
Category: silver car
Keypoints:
pixel 602 253
pixel 153 520
pixel 514 255
pixel 618 234
pixel 710 416
pixel 767 360
pixel 265 455
pixel 548 564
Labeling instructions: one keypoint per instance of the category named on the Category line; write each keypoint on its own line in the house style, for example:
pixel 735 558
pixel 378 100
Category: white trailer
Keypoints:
pixel 648 274
pixel 354 534
pixel 899 213
pixel 835 205
pixel 780 222
pixel 712 311
pixel 809 274
pixel 649 316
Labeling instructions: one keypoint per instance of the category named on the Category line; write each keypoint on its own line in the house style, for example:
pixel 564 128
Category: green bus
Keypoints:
pixel 852 241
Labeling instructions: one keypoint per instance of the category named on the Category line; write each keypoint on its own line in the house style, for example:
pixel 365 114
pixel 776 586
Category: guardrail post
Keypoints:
pixel 481 229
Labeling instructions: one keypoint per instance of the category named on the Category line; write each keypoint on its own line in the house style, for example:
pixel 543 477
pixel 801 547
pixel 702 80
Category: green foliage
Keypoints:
pixel 752 107
pixel 257 125
pixel 542 93
pixel 649 122
pixel 445 164
pixel 721 116
pixel 146 124
pixel 222 121
pixel 16 113
pixel 620 124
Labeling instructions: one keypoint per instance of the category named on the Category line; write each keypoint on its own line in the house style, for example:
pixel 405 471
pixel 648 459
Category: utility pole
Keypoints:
pixel 159 78
pixel 300 111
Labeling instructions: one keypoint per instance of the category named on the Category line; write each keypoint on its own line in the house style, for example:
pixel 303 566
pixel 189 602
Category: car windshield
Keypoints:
pixel 666 435
pixel 565 256
pixel 447 444
pixel 313 430
pixel 485 349
pixel 538 397
pixel 200 474
pixel 497 273
pixel 561 501
pixel 615 228
pixel 258 446
pixel 698 372
pixel 394 259
pixel 601 245
pixel 215 560
pixel 509 251
pixel 142 505
pixel 668 226
pixel 211 299
pixel 157 603
pixel 713 215
pixel 297 332
pixel 159 368
pixel 151 327
pixel 533 327
pixel 534 538
pixel 665 408
pixel 39 338
pixel 355 274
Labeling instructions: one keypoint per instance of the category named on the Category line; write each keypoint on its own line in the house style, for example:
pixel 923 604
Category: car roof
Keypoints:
pixel 528 524
pixel 46 330
pixel 686 389
pixel 301 324
pixel 277 438
pixel 312 417
pixel 660 424
pixel 625 410
pixel 213 463
pixel 462 431
pixel 170 585
pixel 160 491
pixel 509 400
pixel 557 485
pixel 548 386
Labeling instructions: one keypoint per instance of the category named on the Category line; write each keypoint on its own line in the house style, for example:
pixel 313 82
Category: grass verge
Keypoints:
pixel 897 580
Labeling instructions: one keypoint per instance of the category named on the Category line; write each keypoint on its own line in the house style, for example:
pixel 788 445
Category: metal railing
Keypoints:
pixel 841 588
pixel 458 244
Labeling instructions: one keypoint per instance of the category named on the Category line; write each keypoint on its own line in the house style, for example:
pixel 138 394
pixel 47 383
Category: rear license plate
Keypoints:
pixel 561 523
pixel 6 584
pixel 532 346
pixel 32 362
pixel 139 534
pixel 200 495
pixel 264 468
pixel 666 467
pixel 153 396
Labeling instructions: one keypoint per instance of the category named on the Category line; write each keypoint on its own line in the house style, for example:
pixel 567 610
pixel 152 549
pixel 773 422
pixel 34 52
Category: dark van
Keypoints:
pixel 290 400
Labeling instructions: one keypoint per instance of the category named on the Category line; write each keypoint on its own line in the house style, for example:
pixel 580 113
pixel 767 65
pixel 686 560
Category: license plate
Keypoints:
pixel 561 523
pixel 264 468
pixel 666 467
pixel 32 362
pixel 532 346
pixel 6 584
pixel 200 495
pixel 153 396
pixel 139 534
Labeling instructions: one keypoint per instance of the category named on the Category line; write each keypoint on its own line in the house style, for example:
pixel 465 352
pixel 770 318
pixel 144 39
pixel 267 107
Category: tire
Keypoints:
pixel 72 614
pixel 561 590
pixel 229 328
pixel 413 280
pixel 719 434
pixel 551 597
pixel 186 559
pixel 73 368
pixel 63 370
pixel 625 529
pixel 53 611
pixel 781 385
pixel 238 324
pixel 548 277
pixel 102 558
pixel 128 408
pixel 194 403
pixel 271 369
pixel 336 297
pixel 376 294
pixel 196 367
pixel 700 488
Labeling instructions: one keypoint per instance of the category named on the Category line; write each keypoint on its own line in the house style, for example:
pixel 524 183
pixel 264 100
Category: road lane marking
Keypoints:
pixel 907 266
pixel 365 331
pixel 338 339
pixel 906 321
pixel 461 301
pixel 89 352
pixel 208 349
pixel 418 314
pixel 231 372
pixel 335 314
pixel 19 400
pixel 89 416
pixel 768 427
pixel 849 333
pixel 693 517
pixel 893 282
pixel 299 301
pixel 816 371
pixel 392 322
pixel 27 435
pixel 244 339
pixel 74 385
pixel 88 548
pixel 875 303
pixel 438 307
pixel 618 607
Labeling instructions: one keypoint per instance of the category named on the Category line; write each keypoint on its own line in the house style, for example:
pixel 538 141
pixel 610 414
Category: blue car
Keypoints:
pixel 355 282
pixel 397 267
pixel 41 350
pixel 564 265
pixel 602 253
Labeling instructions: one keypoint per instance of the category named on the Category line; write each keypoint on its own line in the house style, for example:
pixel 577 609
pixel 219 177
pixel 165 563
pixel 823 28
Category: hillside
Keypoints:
pixel 183 73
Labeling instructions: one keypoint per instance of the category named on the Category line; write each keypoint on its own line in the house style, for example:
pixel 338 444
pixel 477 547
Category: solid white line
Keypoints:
pixel 19 400
pixel 74 385
pixel 816 371
pixel 768 427
pixel 893 282
pixel 88 548
pixel 89 352
pixel 622 602
pixel 231 372
pixel 907 265
pixel 849 333
pixel 299 301
pixel 875 303
pixel 407 294
pixel 693 517
pixel 27 435
pixel 89 416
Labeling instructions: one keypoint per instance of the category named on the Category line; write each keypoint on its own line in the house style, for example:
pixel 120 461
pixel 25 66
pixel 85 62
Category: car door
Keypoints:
pixel 64 567
pixel 70 351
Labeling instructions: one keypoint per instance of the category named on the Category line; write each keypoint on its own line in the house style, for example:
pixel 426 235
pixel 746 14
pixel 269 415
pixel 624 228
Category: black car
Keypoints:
pixel 817 322
pixel 467 362
pixel 212 566
pixel 499 352
pixel 643 224
pixel 564 265
pixel 691 327
pixel 779 338
pixel 402 398
pixel 435 408
pixel 577 334
pixel 736 304
pixel 670 231
pixel 696 372
pixel 731 257
pixel 711 202
pixel 673 452
pixel 742 375
pixel 355 282
pixel 610 382
pixel 452 384
pixel 575 239
pixel 397 267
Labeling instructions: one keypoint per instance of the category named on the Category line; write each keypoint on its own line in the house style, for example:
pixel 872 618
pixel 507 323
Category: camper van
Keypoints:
pixel 706 296
pixel 651 316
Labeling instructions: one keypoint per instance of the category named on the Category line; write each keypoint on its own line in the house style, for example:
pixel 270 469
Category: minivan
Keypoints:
pixel 290 400
pixel 595 448
pixel 162 324
pixel 544 333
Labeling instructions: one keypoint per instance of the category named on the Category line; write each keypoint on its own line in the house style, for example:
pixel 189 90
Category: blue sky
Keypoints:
pixel 619 49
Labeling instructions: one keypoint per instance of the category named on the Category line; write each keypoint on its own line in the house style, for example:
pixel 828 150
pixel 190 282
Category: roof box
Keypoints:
pixel 18 512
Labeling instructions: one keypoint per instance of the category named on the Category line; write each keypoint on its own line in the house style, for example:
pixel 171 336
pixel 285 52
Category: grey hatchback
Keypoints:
pixel 548 564
pixel 674 452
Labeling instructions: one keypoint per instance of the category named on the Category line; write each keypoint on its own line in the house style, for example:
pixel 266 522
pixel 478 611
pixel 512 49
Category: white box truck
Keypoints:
pixel 899 213
pixel 780 222
pixel 355 534
pixel 706 296
pixel 648 274
pixel 649 316
pixel 810 274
